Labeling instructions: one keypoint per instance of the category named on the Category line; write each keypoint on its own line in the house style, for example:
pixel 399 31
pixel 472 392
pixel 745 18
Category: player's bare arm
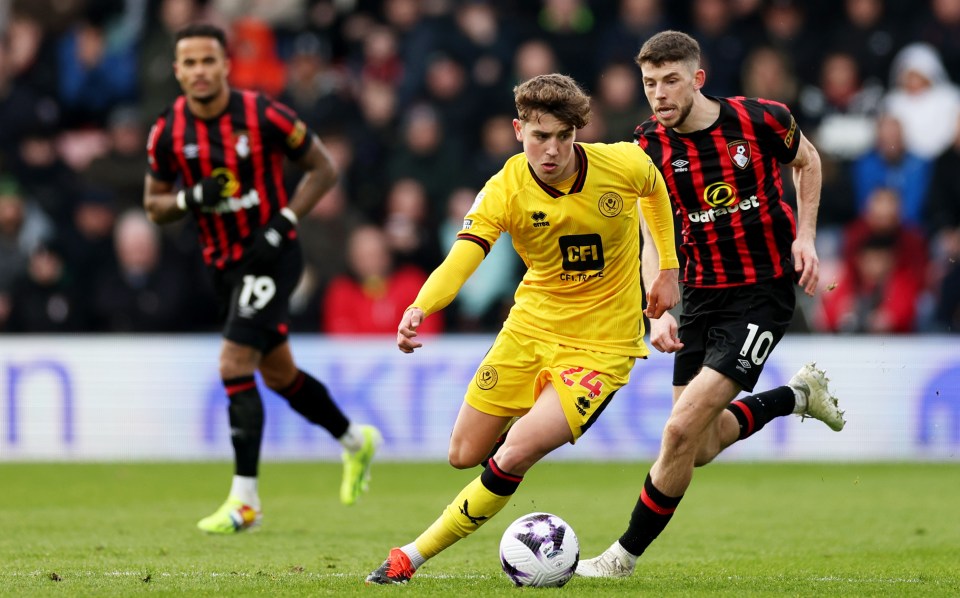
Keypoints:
pixel 807 178
pixel 663 327
pixel 160 201
pixel 320 175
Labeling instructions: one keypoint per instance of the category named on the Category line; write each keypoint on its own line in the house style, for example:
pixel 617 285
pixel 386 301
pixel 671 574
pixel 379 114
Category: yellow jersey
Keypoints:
pixel 581 245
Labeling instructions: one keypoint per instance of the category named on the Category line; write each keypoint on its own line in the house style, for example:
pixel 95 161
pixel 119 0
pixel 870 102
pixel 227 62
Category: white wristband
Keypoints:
pixel 182 199
pixel 290 215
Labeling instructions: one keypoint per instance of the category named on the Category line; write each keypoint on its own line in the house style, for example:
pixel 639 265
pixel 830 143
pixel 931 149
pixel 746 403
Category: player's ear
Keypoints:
pixel 699 79
pixel 518 129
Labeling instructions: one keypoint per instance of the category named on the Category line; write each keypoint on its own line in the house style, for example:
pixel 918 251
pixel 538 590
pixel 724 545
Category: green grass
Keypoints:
pixel 742 530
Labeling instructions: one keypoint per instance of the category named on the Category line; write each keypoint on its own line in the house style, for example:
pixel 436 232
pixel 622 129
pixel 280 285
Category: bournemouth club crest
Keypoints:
pixel 739 152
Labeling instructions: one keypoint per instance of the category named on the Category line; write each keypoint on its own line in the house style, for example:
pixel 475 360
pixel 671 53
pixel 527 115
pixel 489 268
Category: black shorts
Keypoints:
pixel 255 303
pixel 733 330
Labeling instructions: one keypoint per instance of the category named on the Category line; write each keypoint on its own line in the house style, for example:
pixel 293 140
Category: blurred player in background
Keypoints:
pixel 742 250
pixel 227 147
pixel 574 214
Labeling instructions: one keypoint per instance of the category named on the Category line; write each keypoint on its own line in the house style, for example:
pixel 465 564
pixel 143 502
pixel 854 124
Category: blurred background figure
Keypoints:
pixel 485 298
pixel 119 171
pixel 372 296
pixel 410 230
pixel 923 99
pixel 49 297
pixel 142 293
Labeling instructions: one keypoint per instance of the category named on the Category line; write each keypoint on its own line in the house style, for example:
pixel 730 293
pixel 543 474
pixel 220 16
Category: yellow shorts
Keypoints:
pixel 517 367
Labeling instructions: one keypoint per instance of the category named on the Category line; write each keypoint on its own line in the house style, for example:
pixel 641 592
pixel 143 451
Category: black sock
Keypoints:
pixel 757 410
pixel 310 398
pixel 651 514
pixel 246 423
pixel 498 481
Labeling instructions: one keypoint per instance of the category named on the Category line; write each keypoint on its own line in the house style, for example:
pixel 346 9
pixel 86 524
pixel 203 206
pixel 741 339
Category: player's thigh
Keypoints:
pixel 474 434
pixel 543 429
pixel 586 382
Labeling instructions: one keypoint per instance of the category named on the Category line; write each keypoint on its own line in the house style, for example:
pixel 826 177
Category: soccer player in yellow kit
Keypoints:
pixel 574 213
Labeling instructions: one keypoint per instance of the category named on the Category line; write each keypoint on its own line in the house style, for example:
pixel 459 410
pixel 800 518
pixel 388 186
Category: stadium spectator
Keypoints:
pixel 943 199
pixel 253 257
pixel 409 226
pixel 873 295
pixel 497 143
pixel 767 73
pixel 635 21
pixel 923 99
pixel 427 154
pixel 49 297
pixel 891 164
pixel 740 264
pixel 119 170
pixel 141 293
pixel 371 297
pixel 565 331
pixel 868 32
pixel 23 227
pixel 618 94
pixel 724 48
pixel 940 27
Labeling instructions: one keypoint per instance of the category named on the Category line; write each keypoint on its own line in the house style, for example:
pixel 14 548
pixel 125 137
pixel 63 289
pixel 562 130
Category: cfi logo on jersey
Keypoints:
pixel 610 204
pixel 242 145
pixel 740 153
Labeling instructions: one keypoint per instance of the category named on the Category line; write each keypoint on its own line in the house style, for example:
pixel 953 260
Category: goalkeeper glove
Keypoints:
pixel 205 194
pixel 270 239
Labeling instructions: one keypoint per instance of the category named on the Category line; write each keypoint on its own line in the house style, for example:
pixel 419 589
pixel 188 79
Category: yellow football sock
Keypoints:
pixel 469 510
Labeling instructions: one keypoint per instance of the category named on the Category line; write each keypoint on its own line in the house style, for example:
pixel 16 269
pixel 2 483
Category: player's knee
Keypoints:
pixel 677 437
pixel 461 459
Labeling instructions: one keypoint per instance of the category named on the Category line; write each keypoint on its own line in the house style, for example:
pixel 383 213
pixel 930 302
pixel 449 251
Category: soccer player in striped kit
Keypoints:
pixel 226 149
pixel 742 250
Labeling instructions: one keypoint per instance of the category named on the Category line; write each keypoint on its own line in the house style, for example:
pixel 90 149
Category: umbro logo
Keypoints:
pixel 680 165
pixel 745 363
pixel 191 151
pixel 539 219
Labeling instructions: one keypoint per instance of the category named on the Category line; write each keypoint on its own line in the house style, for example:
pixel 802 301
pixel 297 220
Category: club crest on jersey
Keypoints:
pixel 610 204
pixel 242 145
pixel 739 152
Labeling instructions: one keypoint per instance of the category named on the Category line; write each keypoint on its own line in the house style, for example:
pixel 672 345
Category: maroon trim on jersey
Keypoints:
pixel 766 202
pixel 483 243
pixel 578 184
pixel 256 141
pixel 230 161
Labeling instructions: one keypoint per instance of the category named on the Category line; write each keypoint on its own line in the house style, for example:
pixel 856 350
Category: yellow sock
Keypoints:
pixel 469 510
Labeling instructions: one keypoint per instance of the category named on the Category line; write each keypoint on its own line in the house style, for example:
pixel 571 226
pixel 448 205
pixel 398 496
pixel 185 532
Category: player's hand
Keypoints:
pixel 269 241
pixel 407 330
pixel 663 334
pixel 205 194
pixel 807 265
pixel 664 293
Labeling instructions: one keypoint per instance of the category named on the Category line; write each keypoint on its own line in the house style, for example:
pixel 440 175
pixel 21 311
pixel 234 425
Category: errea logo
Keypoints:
pixel 539 219
pixel 680 165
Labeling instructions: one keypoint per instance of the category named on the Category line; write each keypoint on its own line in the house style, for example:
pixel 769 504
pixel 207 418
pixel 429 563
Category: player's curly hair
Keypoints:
pixel 554 94
pixel 669 46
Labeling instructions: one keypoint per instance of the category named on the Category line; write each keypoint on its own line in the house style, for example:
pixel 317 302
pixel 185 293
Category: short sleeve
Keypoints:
pixel 161 163
pixel 781 134
pixel 285 129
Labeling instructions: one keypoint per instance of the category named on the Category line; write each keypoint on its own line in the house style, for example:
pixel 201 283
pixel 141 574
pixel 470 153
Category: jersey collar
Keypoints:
pixel 577 184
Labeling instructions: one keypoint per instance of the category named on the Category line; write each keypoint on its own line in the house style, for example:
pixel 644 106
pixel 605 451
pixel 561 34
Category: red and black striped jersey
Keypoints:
pixel 727 191
pixel 245 147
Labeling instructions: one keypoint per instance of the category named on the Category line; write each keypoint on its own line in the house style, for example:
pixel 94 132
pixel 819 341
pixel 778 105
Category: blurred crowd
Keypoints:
pixel 413 98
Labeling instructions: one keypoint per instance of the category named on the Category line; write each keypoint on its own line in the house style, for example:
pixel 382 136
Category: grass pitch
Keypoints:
pixel 742 530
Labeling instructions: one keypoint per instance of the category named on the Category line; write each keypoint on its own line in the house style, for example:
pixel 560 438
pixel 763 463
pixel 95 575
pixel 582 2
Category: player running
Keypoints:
pixel 226 147
pixel 742 250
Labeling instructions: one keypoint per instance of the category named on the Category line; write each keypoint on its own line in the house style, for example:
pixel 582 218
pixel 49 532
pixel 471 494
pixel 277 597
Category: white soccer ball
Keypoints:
pixel 539 550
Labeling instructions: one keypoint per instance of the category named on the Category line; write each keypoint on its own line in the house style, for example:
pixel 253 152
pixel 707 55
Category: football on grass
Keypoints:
pixel 539 550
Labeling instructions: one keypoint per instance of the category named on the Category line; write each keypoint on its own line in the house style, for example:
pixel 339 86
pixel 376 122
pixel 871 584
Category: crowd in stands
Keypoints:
pixel 413 98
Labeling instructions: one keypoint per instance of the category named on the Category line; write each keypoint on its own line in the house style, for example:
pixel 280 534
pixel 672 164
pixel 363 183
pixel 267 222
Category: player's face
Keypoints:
pixel 670 88
pixel 548 145
pixel 201 67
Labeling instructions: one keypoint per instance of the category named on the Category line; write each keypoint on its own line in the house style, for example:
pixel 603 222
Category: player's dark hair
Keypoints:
pixel 554 94
pixel 669 46
pixel 202 30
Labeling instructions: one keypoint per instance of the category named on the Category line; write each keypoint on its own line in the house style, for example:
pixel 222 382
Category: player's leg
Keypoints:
pixel 310 398
pixel 241 510
pixel 474 433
